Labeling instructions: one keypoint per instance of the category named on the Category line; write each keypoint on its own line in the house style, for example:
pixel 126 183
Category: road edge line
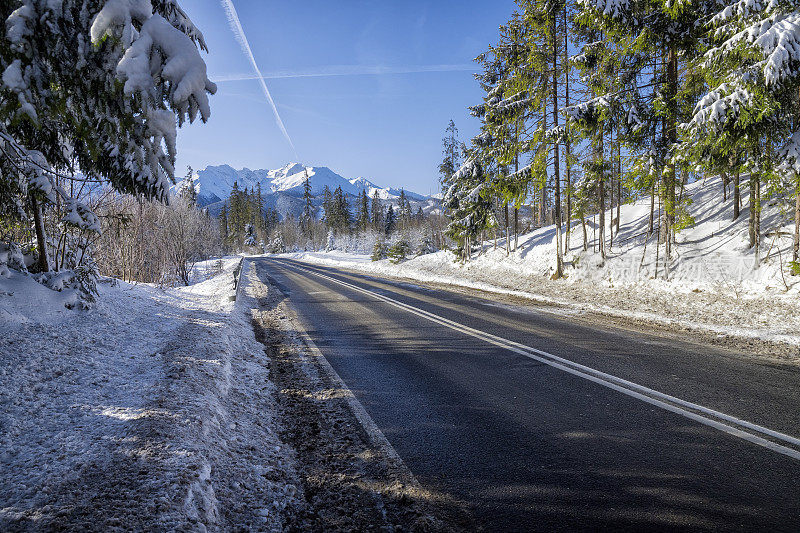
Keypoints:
pixel 371 429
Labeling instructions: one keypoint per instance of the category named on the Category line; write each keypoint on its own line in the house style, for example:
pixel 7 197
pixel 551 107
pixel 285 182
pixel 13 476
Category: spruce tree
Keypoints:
pixel 363 210
pixel 747 118
pixel 469 204
pixel 223 225
pixel 651 40
pixel 94 77
pixel 340 211
pixel 307 218
pixel 451 153
pixel 390 222
pixel 187 190
pixel 378 221
pixel 327 206
pixel 258 219
pixel 403 212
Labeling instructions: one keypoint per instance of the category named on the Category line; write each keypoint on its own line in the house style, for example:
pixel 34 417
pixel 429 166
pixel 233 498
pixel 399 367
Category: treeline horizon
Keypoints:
pixel 244 221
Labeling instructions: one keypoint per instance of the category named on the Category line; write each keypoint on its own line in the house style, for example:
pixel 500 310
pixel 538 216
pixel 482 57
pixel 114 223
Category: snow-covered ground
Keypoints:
pixel 152 411
pixel 711 283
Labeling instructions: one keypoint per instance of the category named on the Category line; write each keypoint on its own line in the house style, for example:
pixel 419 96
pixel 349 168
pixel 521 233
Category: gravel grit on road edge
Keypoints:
pixel 352 479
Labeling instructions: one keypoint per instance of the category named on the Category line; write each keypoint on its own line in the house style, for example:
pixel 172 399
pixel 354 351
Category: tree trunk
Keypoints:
pixel 43 262
pixel 516 228
pixel 556 171
pixel 652 208
pixel 737 196
pixel 672 139
pixel 585 235
pixel 508 230
pixel 542 211
pixel 796 243
pixel 619 190
pixel 725 180
pixel 758 223
pixel 611 176
pixel 567 154
pixel 601 201
pixel 751 225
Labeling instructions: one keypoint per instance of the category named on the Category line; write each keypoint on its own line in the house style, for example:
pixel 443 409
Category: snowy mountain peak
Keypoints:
pixel 363 183
pixel 214 183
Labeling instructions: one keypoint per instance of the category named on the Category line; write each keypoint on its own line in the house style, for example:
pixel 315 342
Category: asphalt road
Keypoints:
pixel 488 402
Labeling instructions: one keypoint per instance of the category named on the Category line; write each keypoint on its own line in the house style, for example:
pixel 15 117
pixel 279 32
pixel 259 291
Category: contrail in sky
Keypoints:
pixel 348 70
pixel 236 26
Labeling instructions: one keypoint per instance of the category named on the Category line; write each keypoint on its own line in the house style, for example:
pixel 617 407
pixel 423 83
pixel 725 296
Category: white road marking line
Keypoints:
pixel 374 434
pixel 629 388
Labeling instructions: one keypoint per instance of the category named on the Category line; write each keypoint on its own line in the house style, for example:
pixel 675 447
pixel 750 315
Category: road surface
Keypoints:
pixel 540 421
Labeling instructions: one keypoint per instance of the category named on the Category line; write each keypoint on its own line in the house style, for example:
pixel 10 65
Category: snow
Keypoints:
pixel 182 67
pixel 79 215
pixel 152 411
pixel 15 81
pixel 12 76
pixel 17 24
pixel 216 182
pixel 712 284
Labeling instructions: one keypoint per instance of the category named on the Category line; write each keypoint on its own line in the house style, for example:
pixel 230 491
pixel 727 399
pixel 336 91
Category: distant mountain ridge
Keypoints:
pixel 215 183
pixel 282 188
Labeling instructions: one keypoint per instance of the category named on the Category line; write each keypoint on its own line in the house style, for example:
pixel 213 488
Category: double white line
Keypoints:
pixel 729 424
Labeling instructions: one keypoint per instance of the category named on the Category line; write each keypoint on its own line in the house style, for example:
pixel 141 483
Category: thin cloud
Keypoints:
pixel 346 70
pixel 236 26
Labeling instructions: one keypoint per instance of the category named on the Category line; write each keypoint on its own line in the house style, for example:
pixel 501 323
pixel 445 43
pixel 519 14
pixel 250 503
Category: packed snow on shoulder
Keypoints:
pixel 714 282
pixel 151 412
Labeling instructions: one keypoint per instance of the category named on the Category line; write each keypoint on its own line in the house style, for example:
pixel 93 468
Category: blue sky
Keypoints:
pixel 363 87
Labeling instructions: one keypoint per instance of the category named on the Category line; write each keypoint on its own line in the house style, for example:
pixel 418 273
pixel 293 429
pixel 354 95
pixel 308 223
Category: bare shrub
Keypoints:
pixel 152 242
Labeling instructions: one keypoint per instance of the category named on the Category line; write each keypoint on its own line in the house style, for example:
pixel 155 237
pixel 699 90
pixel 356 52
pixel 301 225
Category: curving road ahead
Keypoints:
pixel 542 421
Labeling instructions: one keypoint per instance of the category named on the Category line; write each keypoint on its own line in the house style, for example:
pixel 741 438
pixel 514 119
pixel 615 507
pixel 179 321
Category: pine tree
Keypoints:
pixel 653 40
pixel 751 104
pixel 404 210
pixel 340 210
pixel 378 221
pixel 327 206
pixel 468 204
pixel 73 75
pixel 399 251
pixel 223 224
pixel 236 216
pixel 363 210
pixel 545 24
pixel 506 78
pixel 187 190
pixel 258 219
pixel 307 218
pixel 379 250
pixel 451 153
pixel 390 222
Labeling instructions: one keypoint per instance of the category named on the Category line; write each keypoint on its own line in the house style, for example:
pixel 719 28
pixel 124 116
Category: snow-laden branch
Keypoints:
pixel 42 178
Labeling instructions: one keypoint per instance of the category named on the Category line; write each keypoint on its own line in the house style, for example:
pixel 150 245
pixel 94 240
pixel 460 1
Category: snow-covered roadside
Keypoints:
pixel 152 411
pixel 205 270
pixel 721 310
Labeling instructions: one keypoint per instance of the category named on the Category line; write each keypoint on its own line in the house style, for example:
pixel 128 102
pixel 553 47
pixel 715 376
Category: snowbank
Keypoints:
pixel 711 283
pixel 152 411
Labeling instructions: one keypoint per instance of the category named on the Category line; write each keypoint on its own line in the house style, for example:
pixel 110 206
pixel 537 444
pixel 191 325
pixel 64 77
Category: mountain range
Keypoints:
pixel 282 188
